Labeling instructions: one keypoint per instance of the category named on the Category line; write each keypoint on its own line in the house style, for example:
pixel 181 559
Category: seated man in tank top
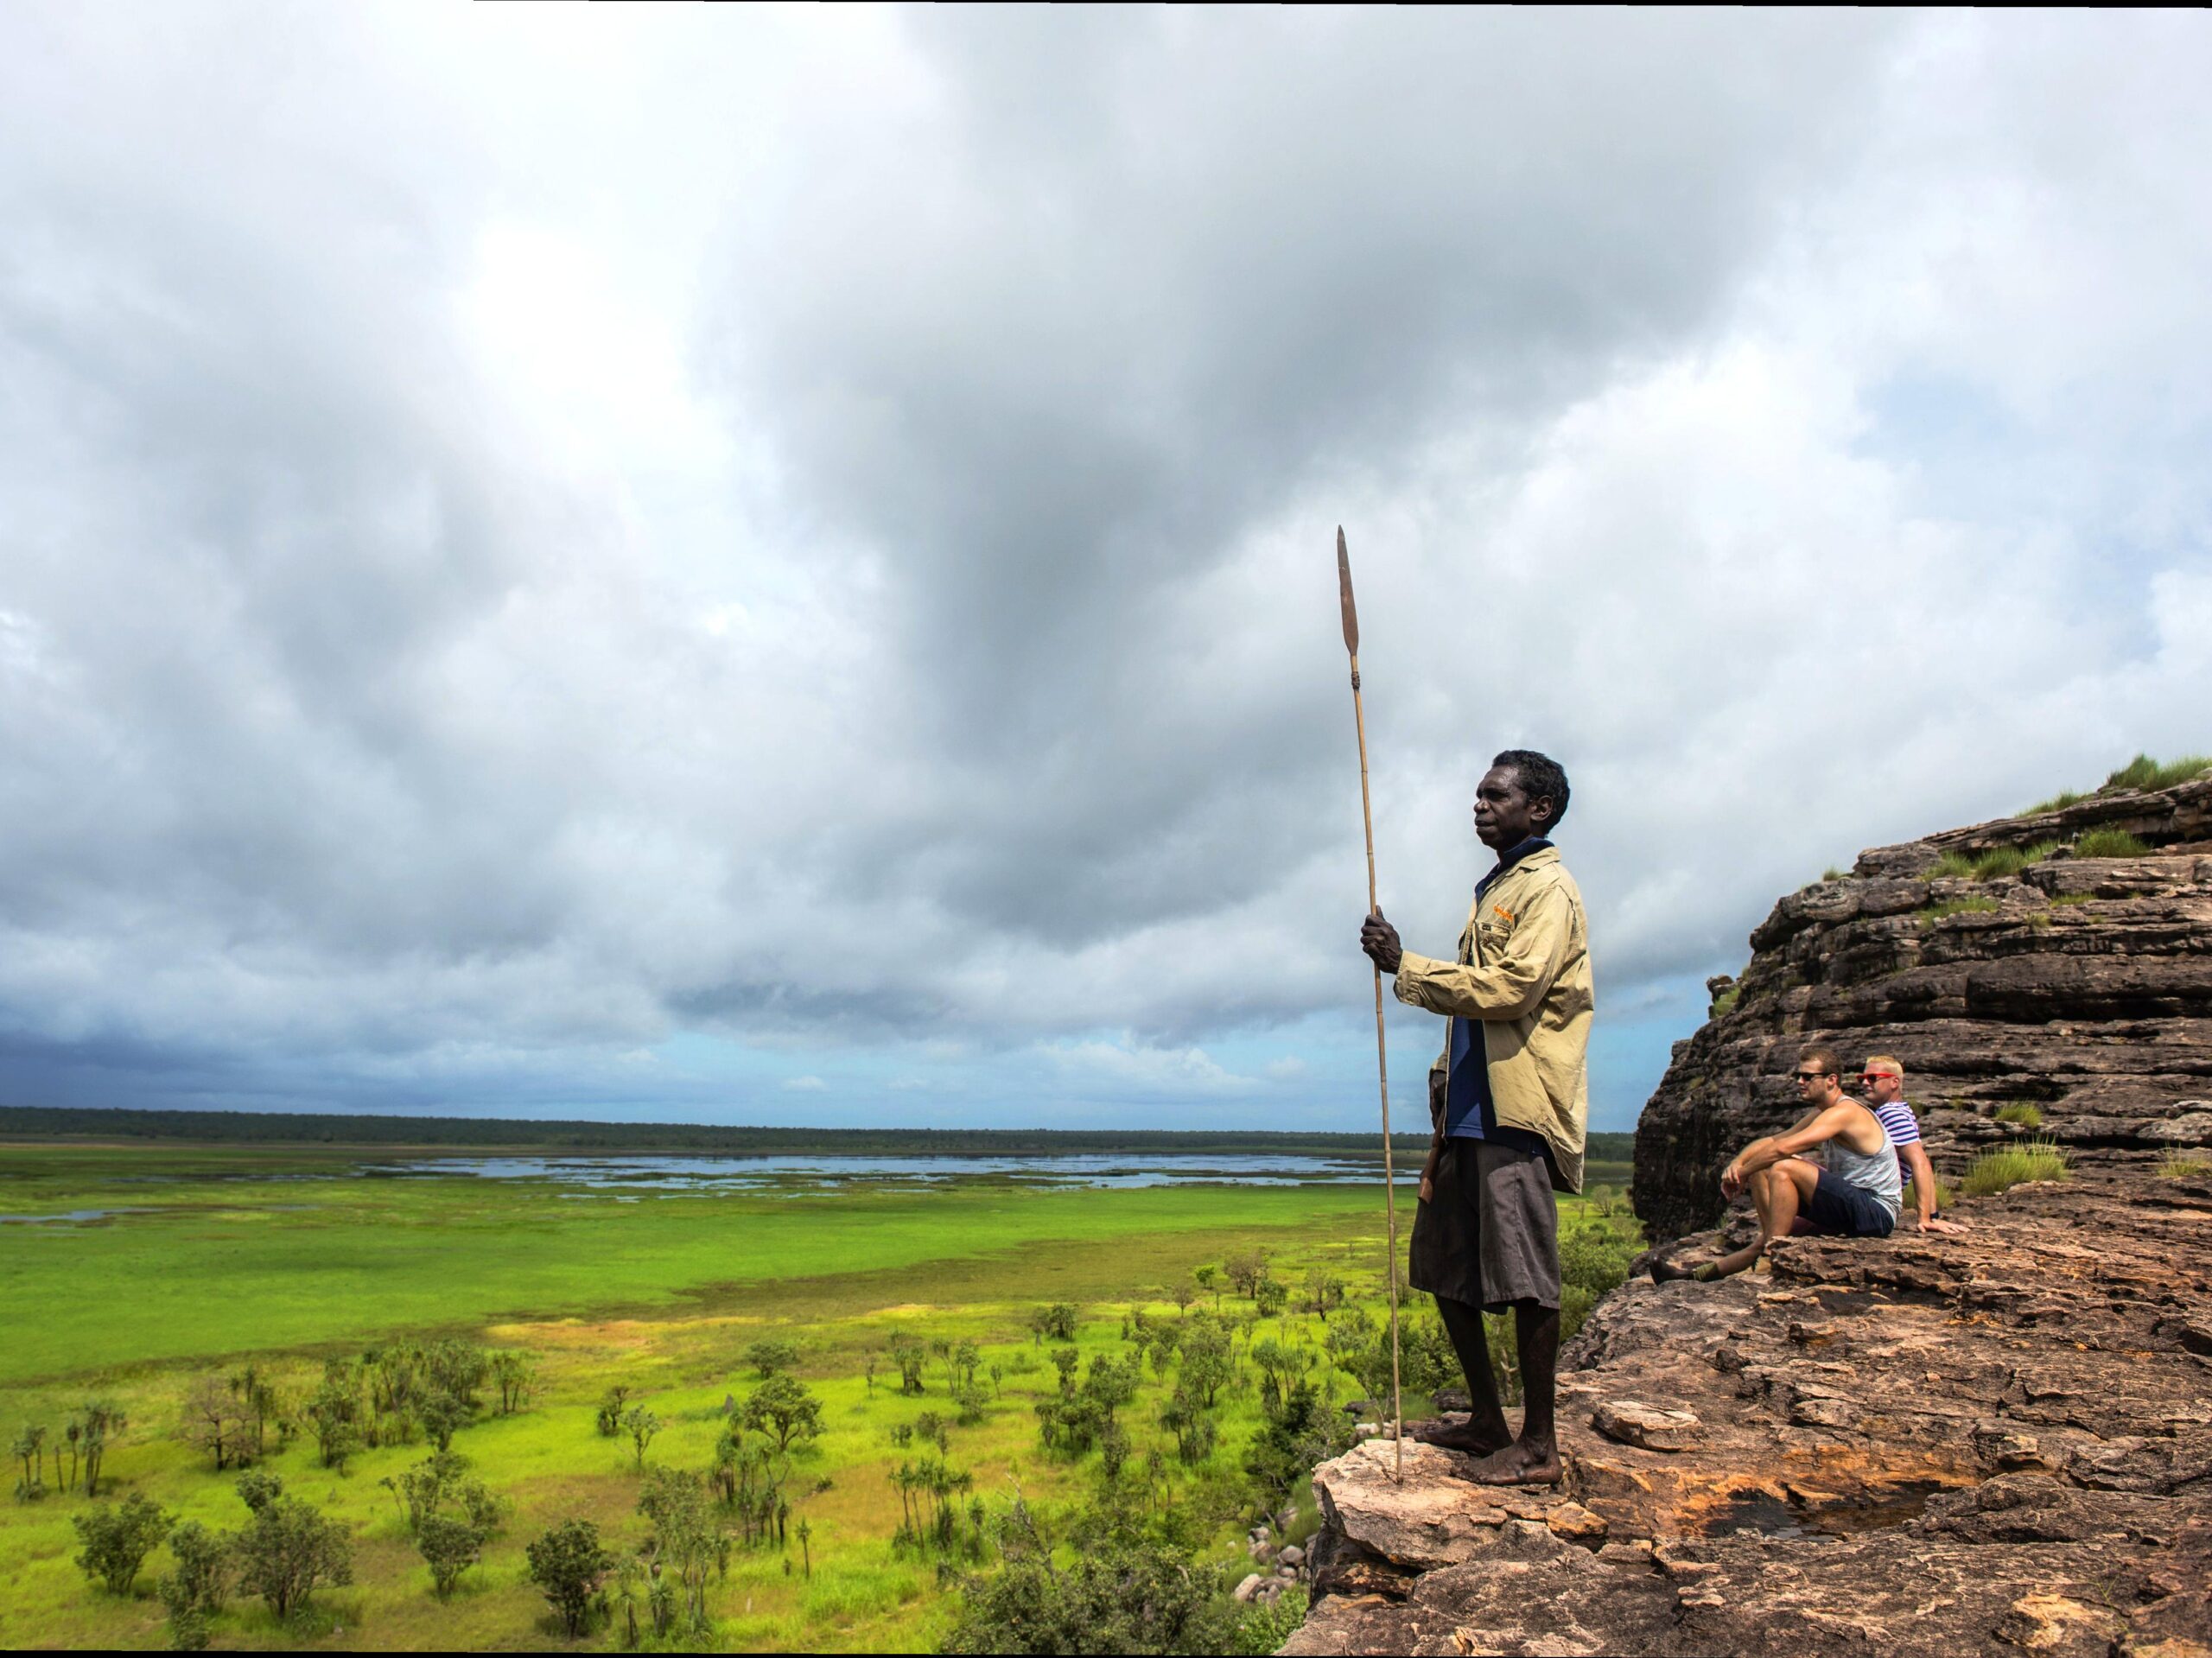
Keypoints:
pixel 1853 1192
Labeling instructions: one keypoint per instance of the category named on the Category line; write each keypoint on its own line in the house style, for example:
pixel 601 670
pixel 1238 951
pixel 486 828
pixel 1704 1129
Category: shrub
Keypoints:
pixel 2143 772
pixel 2028 1116
pixel 2008 1165
pixel 118 1537
pixel 1263 1627
pixel 450 1546
pixel 1142 1598
pixel 2109 843
pixel 568 1565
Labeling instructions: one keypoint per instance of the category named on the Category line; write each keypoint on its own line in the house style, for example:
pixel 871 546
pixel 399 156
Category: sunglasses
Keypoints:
pixel 1811 1075
pixel 1875 1075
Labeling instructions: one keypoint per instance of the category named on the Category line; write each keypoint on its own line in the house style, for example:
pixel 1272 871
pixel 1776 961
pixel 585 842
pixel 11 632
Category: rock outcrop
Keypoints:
pixel 2080 985
pixel 1925 1445
pixel 1989 1442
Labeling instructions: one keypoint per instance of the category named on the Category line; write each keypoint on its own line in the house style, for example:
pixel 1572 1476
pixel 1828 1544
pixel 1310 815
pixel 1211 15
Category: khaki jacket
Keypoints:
pixel 1524 972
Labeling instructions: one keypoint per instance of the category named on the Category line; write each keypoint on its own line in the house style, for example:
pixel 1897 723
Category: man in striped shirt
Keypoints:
pixel 1884 1080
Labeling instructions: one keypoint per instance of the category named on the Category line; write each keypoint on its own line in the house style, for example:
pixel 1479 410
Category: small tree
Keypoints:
pixel 641 1425
pixel 568 1565
pixel 214 1421
pixel 910 1356
pixel 1207 1279
pixel 194 1591
pixel 1269 1297
pixel 514 1374
pixel 335 1409
pixel 767 1357
pixel 783 1409
pixel 450 1546
pixel 1246 1269
pixel 118 1537
pixel 443 1414
pixel 257 1489
pixel 286 1549
pixel 687 1536
pixel 611 1406
pixel 29 1449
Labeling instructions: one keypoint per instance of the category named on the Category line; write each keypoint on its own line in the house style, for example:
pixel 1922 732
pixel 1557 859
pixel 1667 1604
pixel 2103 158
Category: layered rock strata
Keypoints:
pixel 1991 1443
pixel 2080 985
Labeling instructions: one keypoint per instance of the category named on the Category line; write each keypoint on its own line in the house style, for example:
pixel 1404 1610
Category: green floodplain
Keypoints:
pixel 154 1275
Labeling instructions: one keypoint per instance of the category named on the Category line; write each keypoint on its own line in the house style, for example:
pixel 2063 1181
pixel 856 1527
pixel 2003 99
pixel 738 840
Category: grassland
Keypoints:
pixel 289 1256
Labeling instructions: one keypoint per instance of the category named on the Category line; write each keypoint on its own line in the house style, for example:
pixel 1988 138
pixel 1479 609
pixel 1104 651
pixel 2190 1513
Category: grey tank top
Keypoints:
pixel 1877 1174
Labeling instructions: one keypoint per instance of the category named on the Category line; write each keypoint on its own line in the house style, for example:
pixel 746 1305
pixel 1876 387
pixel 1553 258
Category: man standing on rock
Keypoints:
pixel 1509 1103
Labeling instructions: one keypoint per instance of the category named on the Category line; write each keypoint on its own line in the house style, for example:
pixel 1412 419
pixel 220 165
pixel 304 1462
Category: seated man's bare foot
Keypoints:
pixel 1517 1464
pixel 1460 1436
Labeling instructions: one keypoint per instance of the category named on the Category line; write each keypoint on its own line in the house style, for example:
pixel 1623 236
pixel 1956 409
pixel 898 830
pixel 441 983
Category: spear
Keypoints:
pixel 1382 1059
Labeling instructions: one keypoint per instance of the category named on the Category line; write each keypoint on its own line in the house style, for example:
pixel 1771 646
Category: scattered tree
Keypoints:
pixel 194 1591
pixel 767 1357
pixel 29 1449
pixel 568 1565
pixel 514 1374
pixel 783 1409
pixel 910 1355
pixel 215 1421
pixel 118 1537
pixel 687 1538
pixel 286 1549
pixel 611 1404
pixel 641 1425
pixel 449 1545
pixel 443 1413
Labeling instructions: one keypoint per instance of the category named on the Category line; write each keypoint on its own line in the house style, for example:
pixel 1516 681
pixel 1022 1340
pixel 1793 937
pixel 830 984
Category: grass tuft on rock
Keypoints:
pixel 2006 1166
pixel 2179 1167
pixel 1725 1003
pixel 2057 803
pixel 2109 843
pixel 1947 1196
pixel 2143 772
pixel 2026 1115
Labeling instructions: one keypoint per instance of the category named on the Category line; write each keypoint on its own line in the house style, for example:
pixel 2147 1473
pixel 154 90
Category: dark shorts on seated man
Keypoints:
pixel 1490 1236
pixel 1839 1210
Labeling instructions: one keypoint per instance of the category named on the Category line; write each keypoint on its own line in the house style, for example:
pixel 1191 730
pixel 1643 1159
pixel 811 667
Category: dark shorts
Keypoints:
pixel 1839 1210
pixel 1491 1236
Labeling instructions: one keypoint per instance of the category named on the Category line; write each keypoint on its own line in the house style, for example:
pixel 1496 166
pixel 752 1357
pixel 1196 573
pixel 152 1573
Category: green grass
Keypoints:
pixel 2028 1116
pixel 1947 1196
pixel 665 1294
pixel 2057 803
pixel 1997 862
pixel 2143 772
pixel 2179 1167
pixel 2006 1166
pixel 2109 843
pixel 1725 1003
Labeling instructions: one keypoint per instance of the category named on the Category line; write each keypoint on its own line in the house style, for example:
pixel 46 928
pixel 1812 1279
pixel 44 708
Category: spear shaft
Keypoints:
pixel 1381 1052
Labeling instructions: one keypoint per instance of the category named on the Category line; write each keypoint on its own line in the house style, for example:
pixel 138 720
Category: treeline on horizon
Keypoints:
pixel 309 1128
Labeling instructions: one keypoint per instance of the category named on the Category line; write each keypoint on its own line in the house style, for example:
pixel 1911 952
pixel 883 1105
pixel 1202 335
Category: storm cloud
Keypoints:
pixel 779 567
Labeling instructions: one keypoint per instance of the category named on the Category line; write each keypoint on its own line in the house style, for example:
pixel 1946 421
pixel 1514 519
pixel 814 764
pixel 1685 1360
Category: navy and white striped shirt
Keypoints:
pixel 1898 1123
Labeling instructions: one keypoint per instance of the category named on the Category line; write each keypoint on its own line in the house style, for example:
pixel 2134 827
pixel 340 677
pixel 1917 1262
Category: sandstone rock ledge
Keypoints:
pixel 2000 1443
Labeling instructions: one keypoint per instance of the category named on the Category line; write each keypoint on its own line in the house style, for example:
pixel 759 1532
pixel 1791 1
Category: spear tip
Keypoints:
pixel 1344 593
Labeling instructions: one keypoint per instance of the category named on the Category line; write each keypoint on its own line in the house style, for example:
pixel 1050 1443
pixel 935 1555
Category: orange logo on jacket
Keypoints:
pixel 1507 913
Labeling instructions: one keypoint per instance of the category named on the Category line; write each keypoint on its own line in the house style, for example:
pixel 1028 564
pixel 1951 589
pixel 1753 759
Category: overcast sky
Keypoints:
pixel 777 567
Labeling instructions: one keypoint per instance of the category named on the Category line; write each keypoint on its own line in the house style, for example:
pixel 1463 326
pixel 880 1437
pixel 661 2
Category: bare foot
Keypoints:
pixel 1518 1465
pixel 1461 1436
